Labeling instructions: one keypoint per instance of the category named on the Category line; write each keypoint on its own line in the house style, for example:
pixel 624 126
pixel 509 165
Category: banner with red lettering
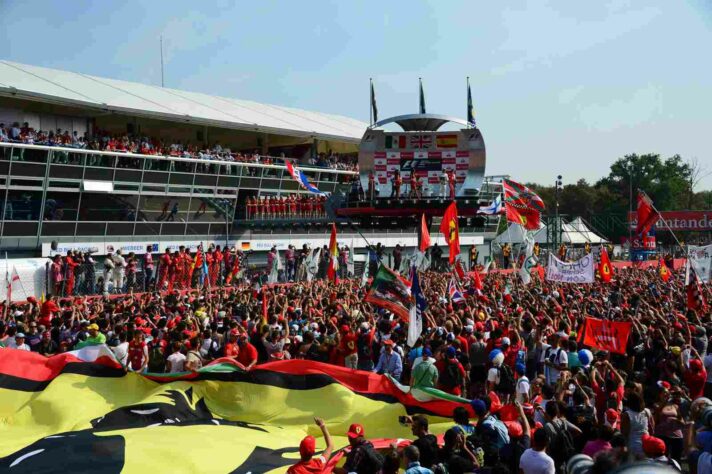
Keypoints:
pixel 606 335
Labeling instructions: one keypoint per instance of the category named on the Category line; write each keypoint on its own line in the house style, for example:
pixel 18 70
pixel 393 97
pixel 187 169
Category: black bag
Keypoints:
pixel 561 444
pixel 156 360
pixel 451 376
pixel 506 379
pixel 372 460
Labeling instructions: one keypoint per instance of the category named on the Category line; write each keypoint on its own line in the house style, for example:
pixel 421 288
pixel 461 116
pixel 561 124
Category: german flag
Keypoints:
pixel 81 412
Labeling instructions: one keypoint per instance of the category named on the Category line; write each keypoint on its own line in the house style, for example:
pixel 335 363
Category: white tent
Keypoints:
pixel 580 226
pixel 514 235
pixel 573 233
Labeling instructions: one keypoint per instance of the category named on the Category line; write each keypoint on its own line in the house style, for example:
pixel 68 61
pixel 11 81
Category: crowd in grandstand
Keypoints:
pixel 293 206
pixel 538 395
pixel 126 143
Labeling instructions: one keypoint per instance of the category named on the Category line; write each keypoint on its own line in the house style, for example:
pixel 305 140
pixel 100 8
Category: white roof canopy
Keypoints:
pixel 76 89
pixel 574 233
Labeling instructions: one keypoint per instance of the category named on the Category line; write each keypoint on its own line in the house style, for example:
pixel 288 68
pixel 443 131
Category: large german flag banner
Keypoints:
pixel 81 412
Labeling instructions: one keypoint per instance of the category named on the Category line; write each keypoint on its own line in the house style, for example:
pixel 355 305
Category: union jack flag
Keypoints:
pixel 421 141
pixel 454 291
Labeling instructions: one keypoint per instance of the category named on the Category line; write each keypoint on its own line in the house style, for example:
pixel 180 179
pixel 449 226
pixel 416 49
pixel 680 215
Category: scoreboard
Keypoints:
pixel 428 154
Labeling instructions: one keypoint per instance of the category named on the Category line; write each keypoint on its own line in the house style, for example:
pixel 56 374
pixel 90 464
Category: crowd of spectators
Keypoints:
pixel 539 397
pixel 102 140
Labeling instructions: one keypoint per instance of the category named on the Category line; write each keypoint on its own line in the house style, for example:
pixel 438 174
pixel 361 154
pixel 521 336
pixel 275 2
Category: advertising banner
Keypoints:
pixel 698 221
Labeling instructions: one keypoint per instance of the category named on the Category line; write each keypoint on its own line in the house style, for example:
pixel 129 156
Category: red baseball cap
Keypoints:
pixel 653 447
pixel 355 431
pixel 387 342
pixel 307 447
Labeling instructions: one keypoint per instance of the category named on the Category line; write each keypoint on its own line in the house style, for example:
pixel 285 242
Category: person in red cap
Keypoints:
pixel 654 449
pixel 362 457
pixel 307 448
pixel 695 377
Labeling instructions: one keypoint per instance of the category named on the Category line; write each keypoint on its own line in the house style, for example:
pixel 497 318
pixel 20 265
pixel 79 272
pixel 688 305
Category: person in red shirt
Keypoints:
pixel 138 353
pixel 307 448
pixel 695 378
pixel 348 348
pixel 248 353
pixel 231 348
pixel 69 265
pixel 48 310
pixel 164 264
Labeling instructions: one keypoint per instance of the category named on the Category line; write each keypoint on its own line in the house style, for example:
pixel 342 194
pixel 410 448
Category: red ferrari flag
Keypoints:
pixel 451 231
pixel 522 205
pixel 663 270
pixel 605 269
pixel 477 280
pixel 333 255
pixel 647 215
pixel 424 235
pixel 607 335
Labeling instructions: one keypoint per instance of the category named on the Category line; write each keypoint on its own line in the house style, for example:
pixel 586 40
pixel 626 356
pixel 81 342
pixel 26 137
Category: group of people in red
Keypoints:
pixel 293 206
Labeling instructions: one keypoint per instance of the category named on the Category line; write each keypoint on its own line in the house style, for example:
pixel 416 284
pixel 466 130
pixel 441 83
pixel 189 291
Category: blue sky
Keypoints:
pixel 559 87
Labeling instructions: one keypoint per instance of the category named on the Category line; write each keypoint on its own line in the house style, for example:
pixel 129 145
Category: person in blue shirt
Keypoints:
pixel 412 459
pixel 389 362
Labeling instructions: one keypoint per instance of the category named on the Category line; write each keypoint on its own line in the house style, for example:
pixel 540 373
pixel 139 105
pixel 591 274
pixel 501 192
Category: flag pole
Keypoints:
pixel 7 289
pixel 370 102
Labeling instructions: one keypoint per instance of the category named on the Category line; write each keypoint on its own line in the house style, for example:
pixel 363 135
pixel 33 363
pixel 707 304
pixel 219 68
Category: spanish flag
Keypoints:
pixel 446 141
pixel 333 255
pixel 82 412
pixel 451 231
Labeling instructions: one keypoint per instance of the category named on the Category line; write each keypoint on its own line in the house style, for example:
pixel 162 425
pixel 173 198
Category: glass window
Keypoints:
pixel 106 207
pixel 61 206
pixel 23 205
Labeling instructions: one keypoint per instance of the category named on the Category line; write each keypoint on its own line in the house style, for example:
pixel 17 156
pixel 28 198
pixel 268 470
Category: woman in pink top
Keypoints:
pixel 604 435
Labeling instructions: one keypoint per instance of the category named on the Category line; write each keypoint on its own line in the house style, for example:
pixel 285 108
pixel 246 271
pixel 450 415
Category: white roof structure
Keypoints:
pixel 76 89
pixel 580 226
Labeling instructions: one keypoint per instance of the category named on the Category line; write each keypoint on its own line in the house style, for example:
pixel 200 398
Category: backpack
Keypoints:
pixel 451 376
pixel 156 361
pixel 371 461
pixel 561 444
pixel 506 379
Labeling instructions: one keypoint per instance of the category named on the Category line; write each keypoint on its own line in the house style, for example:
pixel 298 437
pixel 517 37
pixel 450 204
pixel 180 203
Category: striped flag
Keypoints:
pixel 415 323
pixel 11 279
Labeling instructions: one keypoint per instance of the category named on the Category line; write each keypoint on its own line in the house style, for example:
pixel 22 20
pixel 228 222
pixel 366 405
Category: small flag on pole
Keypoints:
pixel 422 97
pixel 470 108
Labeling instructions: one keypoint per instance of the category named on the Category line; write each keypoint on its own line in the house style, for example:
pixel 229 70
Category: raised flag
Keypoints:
pixel 606 335
pixel 663 270
pixel 454 292
pixel 470 107
pixel 605 269
pixel 422 98
pixel 124 413
pixel 14 277
pixel 695 298
pixel 391 291
pixel 424 235
pixel 415 322
pixel 301 178
pixel 333 255
pixel 374 109
pixel 451 231
pixel 459 271
pixel 647 215
pixel 265 318
pixel 477 280
pixel 492 209
pixel 530 260
pixel 522 205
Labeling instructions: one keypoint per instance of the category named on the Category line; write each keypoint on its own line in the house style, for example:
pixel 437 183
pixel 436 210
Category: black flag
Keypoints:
pixel 374 109
pixel 422 97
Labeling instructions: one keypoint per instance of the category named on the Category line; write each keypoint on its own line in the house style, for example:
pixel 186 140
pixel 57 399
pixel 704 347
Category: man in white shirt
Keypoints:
pixel 535 460
pixel 555 360
pixel 176 361
pixel 19 343
pixel 522 386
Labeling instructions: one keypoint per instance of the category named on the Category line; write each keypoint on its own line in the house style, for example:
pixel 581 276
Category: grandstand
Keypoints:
pixel 85 159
